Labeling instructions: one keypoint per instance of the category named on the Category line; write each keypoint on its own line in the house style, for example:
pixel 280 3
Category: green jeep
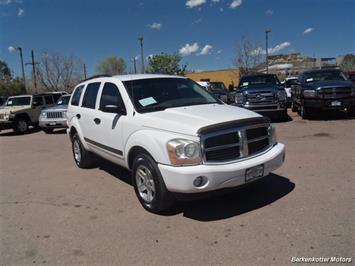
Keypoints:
pixel 19 112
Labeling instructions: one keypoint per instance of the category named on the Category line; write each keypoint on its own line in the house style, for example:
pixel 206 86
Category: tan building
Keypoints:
pixel 227 76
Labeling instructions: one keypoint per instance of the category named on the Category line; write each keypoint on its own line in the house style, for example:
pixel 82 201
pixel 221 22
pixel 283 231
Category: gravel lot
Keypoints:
pixel 52 212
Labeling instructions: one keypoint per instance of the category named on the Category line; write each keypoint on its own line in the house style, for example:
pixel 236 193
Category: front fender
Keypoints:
pixel 74 123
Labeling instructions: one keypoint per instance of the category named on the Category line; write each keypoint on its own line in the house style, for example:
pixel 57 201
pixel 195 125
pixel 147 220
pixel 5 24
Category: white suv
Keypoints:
pixel 172 134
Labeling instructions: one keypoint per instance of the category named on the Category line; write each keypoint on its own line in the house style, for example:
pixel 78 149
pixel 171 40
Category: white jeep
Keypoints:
pixel 172 134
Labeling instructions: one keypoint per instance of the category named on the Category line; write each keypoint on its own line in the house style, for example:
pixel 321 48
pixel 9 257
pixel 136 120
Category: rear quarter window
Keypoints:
pixel 76 95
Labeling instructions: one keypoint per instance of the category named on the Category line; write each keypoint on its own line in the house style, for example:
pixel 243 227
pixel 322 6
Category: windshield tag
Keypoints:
pixel 9 102
pixel 309 80
pixel 147 101
pixel 245 83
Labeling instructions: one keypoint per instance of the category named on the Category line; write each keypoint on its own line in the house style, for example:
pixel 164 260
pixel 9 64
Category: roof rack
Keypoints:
pixel 97 76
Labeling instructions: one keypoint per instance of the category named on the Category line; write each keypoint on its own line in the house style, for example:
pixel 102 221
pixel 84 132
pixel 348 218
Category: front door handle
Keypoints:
pixel 97 121
pixel 78 116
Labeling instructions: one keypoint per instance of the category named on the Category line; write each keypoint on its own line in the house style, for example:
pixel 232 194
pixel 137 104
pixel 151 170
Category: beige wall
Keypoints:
pixel 227 76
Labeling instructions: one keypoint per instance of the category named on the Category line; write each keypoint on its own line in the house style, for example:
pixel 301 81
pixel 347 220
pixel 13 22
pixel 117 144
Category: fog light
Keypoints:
pixel 200 181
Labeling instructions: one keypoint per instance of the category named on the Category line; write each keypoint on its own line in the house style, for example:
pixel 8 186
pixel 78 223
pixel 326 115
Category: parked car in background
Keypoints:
pixel 172 134
pixel 57 94
pixel 288 82
pixel 262 93
pixel 319 90
pixel 19 112
pixel 217 89
pixel 351 76
pixel 2 100
pixel 55 116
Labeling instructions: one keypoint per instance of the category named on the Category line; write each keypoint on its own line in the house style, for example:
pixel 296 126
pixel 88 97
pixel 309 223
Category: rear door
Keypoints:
pixel 110 128
pixel 87 121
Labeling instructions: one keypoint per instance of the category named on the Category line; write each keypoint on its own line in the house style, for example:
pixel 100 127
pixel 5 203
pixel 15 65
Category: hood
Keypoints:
pixel 14 109
pixel 56 108
pixel 329 83
pixel 261 88
pixel 189 119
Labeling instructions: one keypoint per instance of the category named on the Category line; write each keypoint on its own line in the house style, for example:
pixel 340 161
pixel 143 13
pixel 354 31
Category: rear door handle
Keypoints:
pixel 78 116
pixel 97 121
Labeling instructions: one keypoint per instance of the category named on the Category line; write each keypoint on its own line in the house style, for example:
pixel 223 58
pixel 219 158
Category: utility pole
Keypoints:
pixel 85 71
pixel 135 65
pixel 33 63
pixel 267 31
pixel 140 39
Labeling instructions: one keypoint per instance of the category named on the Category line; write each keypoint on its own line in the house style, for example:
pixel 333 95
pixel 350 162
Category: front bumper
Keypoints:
pixel 180 179
pixel 6 124
pixel 326 104
pixel 264 108
pixel 53 123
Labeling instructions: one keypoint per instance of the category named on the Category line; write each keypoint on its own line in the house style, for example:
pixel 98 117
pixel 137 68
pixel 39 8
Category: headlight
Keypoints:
pixel 6 116
pixel 64 114
pixel 43 114
pixel 281 95
pixel 272 135
pixel 182 151
pixel 309 93
pixel 239 98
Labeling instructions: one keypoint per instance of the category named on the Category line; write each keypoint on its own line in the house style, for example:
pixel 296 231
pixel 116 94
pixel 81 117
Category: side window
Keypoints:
pixel 48 99
pixel 38 100
pixel 90 95
pixel 76 95
pixel 111 96
pixel 56 96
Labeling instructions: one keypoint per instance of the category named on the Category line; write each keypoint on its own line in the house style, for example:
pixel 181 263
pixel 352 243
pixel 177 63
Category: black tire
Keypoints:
pixel 21 125
pixel 304 112
pixel 350 111
pixel 283 115
pixel 294 107
pixel 48 130
pixel 85 159
pixel 162 198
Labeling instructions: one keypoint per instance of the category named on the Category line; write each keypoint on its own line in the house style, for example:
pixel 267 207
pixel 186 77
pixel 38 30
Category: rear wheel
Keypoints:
pixel 149 185
pixel 294 107
pixel 21 125
pixel 304 112
pixel 82 157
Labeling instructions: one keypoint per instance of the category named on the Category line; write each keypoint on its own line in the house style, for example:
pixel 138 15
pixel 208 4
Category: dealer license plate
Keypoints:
pixel 254 173
pixel 335 103
pixel 52 123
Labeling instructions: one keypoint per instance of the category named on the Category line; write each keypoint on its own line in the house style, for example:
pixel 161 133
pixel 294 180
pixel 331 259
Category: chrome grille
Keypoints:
pixel 232 144
pixel 53 115
pixel 337 92
pixel 262 97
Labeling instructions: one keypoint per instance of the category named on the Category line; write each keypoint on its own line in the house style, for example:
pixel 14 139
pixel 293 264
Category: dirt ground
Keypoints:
pixel 52 212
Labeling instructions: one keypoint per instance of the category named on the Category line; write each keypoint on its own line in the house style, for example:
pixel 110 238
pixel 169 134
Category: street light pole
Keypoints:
pixel 267 31
pixel 140 39
pixel 135 65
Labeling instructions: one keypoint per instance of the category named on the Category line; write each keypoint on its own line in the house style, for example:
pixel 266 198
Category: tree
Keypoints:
pixel 111 65
pixel 166 64
pixel 348 63
pixel 248 56
pixel 57 72
pixel 5 72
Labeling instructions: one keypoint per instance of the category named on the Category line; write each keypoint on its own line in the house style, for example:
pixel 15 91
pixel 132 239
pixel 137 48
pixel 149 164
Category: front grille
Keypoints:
pixel 231 144
pixel 53 115
pixel 262 97
pixel 333 93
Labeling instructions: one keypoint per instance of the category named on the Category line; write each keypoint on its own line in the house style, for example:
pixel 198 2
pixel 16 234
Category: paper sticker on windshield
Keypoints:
pixel 147 101
pixel 245 83
pixel 309 80
pixel 9 102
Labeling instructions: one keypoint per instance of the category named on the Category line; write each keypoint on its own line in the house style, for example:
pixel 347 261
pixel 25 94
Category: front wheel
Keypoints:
pixel 294 107
pixel 149 185
pixel 304 112
pixel 83 158
pixel 21 126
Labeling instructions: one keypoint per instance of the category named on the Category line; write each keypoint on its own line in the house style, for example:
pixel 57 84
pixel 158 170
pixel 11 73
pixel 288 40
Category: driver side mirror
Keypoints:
pixel 113 109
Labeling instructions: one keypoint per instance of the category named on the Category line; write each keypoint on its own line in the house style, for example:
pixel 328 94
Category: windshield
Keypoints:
pixel 64 100
pixel 17 101
pixel 259 81
pixel 157 94
pixel 217 87
pixel 324 75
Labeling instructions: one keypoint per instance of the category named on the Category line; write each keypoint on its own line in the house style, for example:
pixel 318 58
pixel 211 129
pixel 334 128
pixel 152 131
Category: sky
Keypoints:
pixel 205 32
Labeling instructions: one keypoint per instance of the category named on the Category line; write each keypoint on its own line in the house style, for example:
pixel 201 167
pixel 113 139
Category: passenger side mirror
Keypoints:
pixel 113 109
